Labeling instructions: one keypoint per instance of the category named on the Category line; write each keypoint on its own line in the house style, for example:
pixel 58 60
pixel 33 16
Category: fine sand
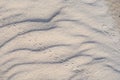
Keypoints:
pixel 59 40
pixel 114 10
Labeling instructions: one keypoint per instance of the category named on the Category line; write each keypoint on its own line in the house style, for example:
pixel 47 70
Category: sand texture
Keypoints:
pixel 59 40
pixel 114 10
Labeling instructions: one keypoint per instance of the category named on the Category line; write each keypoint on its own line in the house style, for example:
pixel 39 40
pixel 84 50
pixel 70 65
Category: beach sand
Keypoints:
pixel 114 10
pixel 59 40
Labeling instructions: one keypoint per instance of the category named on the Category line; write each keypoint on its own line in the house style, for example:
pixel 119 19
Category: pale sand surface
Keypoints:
pixel 59 40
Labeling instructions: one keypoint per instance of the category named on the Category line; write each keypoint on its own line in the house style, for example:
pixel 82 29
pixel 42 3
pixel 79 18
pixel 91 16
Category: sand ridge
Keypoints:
pixel 58 40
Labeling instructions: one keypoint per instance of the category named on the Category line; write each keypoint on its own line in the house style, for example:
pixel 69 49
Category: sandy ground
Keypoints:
pixel 59 40
pixel 114 10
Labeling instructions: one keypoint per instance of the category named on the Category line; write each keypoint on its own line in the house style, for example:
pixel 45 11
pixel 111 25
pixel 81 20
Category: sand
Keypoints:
pixel 59 40
pixel 114 10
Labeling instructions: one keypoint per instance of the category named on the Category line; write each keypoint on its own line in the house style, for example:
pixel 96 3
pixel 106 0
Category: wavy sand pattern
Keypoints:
pixel 59 40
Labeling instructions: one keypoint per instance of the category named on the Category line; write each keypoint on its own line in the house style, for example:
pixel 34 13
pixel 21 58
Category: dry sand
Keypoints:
pixel 59 40
pixel 114 10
